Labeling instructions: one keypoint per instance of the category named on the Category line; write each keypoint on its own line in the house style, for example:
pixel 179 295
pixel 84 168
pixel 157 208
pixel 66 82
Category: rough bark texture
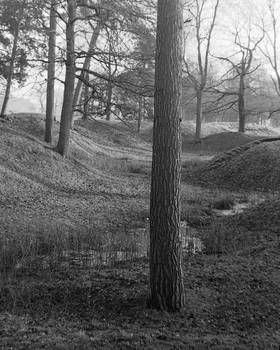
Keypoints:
pixel 86 64
pixel 12 62
pixel 67 110
pixel 51 75
pixel 167 292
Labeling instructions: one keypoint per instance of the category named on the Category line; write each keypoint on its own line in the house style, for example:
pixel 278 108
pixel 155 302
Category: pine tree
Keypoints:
pixel 166 281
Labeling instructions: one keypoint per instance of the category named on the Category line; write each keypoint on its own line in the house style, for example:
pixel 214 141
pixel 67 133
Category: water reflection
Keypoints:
pixel 189 238
pixel 237 209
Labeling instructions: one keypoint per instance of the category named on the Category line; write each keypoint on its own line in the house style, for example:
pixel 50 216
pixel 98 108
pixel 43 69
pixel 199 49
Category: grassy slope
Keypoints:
pixel 252 166
pixel 232 299
pixel 77 193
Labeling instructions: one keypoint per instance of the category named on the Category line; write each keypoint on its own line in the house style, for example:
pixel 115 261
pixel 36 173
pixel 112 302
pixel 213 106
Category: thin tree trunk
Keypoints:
pixel 51 74
pixel 12 62
pixel 241 105
pixel 67 107
pixel 140 113
pixel 109 101
pixel 92 44
pixel 198 115
pixel 166 282
pixel 109 85
pixel 86 99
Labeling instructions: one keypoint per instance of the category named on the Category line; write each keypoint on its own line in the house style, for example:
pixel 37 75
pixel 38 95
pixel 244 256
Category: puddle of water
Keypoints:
pixel 237 209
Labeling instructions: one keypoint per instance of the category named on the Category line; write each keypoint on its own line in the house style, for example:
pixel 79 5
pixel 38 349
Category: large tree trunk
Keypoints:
pixel 92 44
pixel 198 115
pixel 166 282
pixel 12 61
pixel 241 105
pixel 51 74
pixel 67 106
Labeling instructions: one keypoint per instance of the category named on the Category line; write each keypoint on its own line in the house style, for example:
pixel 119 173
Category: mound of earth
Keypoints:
pixel 109 132
pixel 254 231
pixel 33 124
pixel 42 191
pixel 253 166
pixel 223 141
pixel 253 131
pixel 263 217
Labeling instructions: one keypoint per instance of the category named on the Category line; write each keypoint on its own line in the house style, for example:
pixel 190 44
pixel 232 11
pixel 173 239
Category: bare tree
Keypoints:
pixel 237 76
pixel 270 49
pixel 51 73
pixel 203 41
pixel 166 281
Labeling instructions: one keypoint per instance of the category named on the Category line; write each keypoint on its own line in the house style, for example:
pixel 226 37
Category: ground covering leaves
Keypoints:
pixel 102 192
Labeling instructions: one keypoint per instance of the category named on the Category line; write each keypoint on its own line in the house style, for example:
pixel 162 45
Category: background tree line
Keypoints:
pixel 109 47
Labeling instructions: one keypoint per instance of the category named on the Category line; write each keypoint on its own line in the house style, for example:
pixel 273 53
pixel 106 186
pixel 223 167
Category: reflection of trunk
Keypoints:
pixel 67 110
pixel 198 115
pixel 140 113
pixel 241 105
pixel 12 61
pixel 86 99
pixel 51 74
pixel 166 282
pixel 86 64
